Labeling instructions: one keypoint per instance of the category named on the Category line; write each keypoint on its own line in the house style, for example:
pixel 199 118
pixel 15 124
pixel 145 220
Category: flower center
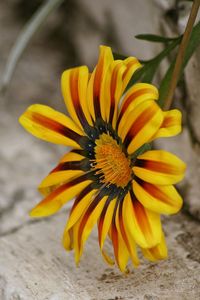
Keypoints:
pixel 111 162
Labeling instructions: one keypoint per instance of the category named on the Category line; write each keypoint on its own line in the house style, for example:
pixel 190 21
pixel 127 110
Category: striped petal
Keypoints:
pixel 93 92
pixel 120 248
pixel 104 225
pixel 74 84
pixel 137 94
pixel 114 84
pixel 84 226
pixel 112 88
pixel 141 125
pixel 80 205
pixel 142 225
pixel 105 220
pixel 159 167
pixel 54 201
pixel 171 124
pixel 158 252
pixel 51 126
pixel 160 199
pixel 70 167
pixel 128 239
pixel 132 65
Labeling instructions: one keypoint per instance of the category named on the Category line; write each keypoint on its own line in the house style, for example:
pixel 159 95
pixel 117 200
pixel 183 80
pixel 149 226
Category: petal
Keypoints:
pixel 104 225
pixel 141 125
pixel 85 225
pixel 128 239
pixel 159 167
pixel 171 124
pixel 54 201
pixel 95 82
pixel 105 220
pixel 160 199
pixel 158 252
pixel 74 84
pixel 132 65
pixel 142 225
pixel 120 248
pixel 50 125
pixel 70 167
pixel 81 203
pixel 114 84
pixel 137 94
pixel 112 88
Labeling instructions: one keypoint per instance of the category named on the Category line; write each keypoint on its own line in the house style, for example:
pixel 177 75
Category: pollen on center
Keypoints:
pixel 111 162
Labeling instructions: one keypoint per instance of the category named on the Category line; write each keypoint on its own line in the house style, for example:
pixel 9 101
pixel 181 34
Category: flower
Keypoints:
pixel 118 181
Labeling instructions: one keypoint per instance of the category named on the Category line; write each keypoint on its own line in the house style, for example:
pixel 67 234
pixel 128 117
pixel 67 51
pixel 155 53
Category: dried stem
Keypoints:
pixel 181 54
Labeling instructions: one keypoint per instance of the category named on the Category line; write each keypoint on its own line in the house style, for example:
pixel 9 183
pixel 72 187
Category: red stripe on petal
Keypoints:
pixel 54 126
pixel 74 84
pixel 139 123
pixel 130 99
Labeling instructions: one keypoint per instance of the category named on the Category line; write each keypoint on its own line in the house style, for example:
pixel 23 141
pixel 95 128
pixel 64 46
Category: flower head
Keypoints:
pixel 117 181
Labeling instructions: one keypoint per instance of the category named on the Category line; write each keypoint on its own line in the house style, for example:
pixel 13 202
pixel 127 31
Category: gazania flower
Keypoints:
pixel 117 181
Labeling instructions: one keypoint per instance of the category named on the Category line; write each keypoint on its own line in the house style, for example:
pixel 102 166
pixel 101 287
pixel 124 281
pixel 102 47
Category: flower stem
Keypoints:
pixel 181 54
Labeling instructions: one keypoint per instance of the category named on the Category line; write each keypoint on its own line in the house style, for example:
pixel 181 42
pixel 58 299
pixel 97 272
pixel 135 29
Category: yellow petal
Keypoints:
pixel 112 90
pixel 69 168
pixel 141 125
pixel 95 106
pixel 128 239
pixel 142 225
pixel 50 125
pixel 105 220
pixel 171 124
pixel 160 199
pixel 137 94
pixel 54 201
pixel 159 167
pixel 81 203
pixel 132 65
pixel 74 84
pixel 158 252
pixel 84 226
pixel 120 249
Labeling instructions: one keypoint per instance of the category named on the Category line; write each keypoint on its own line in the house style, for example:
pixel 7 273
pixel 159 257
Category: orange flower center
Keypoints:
pixel 111 162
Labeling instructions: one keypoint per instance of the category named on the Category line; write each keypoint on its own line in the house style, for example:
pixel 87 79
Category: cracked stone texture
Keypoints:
pixel 33 264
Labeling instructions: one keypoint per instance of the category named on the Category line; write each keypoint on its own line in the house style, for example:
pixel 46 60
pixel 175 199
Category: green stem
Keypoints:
pixel 181 54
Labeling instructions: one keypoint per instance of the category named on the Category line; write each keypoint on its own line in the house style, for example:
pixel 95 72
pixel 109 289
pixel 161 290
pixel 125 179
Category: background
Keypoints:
pixel 33 264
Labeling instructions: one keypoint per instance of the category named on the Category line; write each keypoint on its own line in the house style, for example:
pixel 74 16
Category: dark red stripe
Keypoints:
pixel 75 97
pixel 82 194
pixel 55 126
pixel 88 212
pixel 139 123
pixel 157 166
pixel 155 192
pixel 67 165
pixel 128 101
pixel 101 219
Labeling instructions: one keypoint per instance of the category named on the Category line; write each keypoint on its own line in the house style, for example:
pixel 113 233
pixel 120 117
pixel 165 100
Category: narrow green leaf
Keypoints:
pixel 155 38
pixel 192 46
pixel 147 72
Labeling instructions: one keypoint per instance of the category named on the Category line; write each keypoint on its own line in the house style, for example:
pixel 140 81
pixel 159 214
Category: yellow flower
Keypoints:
pixel 117 181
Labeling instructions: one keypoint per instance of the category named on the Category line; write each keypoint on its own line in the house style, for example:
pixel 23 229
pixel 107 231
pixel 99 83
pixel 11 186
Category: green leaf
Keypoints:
pixel 147 72
pixel 155 38
pixel 192 46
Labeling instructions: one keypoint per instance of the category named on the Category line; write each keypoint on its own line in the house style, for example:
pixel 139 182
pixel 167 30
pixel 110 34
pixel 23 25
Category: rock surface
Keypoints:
pixel 33 264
